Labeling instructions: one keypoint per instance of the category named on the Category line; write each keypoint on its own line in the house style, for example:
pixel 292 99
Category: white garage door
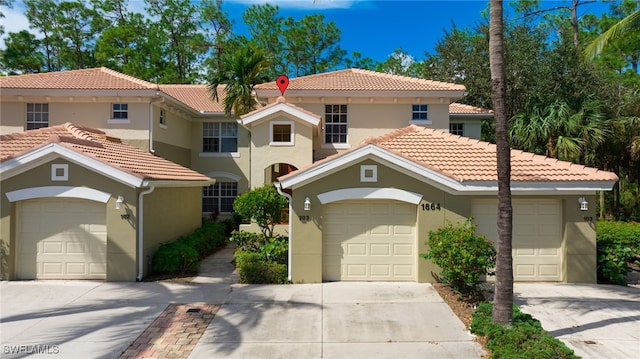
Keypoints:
pixel 61 239
pixel 537 236
pixel 369 240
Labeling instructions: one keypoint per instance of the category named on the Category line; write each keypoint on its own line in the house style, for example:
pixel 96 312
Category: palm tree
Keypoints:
pixel 557 131
pixel 240 72
pixel 503 298
pixel 629 23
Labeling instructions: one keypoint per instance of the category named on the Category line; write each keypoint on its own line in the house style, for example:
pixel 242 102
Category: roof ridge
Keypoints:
pixel 128 77
pixel 83 133
pixel 402 77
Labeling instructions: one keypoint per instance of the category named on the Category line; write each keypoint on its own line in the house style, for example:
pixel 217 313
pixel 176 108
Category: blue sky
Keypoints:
pixel 373 27
pixel 376 28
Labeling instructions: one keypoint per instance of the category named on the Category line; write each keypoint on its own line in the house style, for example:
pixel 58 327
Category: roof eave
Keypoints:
pixel 46 152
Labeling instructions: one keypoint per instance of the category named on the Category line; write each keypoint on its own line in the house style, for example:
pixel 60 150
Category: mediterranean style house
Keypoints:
pixel 370 163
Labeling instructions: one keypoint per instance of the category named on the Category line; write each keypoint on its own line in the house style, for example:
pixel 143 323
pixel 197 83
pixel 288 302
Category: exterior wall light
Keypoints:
pixel 307 204
pixel 119 202
pixel 584 205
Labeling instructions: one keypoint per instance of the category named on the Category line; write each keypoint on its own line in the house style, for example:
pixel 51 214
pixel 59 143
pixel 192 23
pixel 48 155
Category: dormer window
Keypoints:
pixel 281 133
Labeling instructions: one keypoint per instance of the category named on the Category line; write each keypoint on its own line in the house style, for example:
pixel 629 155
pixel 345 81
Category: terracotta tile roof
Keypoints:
pixel 198 97
pixel 456 108
pixel 97 145
pixel 362 80
pixel 465 159
pixel 100 78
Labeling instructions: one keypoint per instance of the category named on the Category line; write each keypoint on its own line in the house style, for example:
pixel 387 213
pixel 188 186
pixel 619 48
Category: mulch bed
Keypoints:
pixel 463 308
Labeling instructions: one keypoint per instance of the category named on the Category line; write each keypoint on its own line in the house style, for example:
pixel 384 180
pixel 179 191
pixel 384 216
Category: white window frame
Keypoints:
pixel 220 197
pixel 368 173
pixel 420 112
pixel 291 141
pixel 162 118
pixel 219 153
pixel 40 110
pixel 456 130
pixel 113 118
pixel 327 116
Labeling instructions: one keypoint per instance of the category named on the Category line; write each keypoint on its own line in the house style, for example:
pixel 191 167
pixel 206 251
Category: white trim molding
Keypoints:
pixel 58 192
pixel 60 172
pixel 370 193
pixel 51 151
pixel 226 175
pixel 368 173
pixel 285 109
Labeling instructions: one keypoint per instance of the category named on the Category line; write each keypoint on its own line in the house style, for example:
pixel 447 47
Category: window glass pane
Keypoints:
pixel 281 133
pixel 229 145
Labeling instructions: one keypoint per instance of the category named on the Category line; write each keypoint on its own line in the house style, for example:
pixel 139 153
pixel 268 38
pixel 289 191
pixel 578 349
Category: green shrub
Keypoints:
pixel 176 257
pixel 618 243
pixel 254 269
pixel 183 255
pixel 248 241
pixel 524 339
pixel 276 249
pixel 462 255
pixel 264 205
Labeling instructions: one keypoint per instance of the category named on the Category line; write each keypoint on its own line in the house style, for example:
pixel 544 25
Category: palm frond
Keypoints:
pixel 616 31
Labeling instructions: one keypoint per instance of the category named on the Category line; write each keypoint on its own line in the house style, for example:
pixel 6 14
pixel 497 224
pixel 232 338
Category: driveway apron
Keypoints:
pixel 596 321
pixel 336 320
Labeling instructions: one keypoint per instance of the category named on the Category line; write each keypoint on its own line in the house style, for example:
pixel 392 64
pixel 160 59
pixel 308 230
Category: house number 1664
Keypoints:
pixel 431 206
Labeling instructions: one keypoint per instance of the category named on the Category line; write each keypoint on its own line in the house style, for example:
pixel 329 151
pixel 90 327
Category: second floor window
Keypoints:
pixel 163 119
pixel 419 112
pixel 456 128
pixel 119 111
pixel 335 123
pixel 37 115
pixel 220 137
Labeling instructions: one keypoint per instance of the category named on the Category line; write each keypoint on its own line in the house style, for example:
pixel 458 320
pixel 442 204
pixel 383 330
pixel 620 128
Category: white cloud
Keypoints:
pixel 15 21
pixel 303 4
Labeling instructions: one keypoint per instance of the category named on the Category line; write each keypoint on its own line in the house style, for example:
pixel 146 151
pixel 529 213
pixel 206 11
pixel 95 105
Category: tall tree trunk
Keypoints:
pixel 503 298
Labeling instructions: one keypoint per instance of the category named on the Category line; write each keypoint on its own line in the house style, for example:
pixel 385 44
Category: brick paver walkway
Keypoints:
pixel 174 333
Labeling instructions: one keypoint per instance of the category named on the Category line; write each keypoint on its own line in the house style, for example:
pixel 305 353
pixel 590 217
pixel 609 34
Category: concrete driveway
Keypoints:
pixel 336 320
pixel 596 321
pixel 83 319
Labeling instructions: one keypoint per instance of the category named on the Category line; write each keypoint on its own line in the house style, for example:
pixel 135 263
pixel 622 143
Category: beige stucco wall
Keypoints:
pixel 578 243
pixel 307 236
pixel 121 233
pixel 222 163
pixel 300 154
pixel 168 214
pixel 374 119
pixel 580 240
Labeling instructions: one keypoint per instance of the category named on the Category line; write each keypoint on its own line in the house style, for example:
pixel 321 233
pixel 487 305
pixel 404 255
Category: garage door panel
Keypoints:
pixel 380 249
pixel 383 247
pixel 61 239
pixel 537 236
pixel 356 249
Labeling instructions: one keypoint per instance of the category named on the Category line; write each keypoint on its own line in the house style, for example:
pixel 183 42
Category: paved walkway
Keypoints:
pixel 179 327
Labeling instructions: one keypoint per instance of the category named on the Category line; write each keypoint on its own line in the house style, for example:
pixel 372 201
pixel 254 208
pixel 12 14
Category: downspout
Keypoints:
pixel 151 149
pixel 141 231
pixel 279 189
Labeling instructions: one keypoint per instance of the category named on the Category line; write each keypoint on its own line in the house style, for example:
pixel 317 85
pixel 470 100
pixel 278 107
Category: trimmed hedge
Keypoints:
pixel 618 243
pixel 524 339
pixel 183 255
pixel 253 268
